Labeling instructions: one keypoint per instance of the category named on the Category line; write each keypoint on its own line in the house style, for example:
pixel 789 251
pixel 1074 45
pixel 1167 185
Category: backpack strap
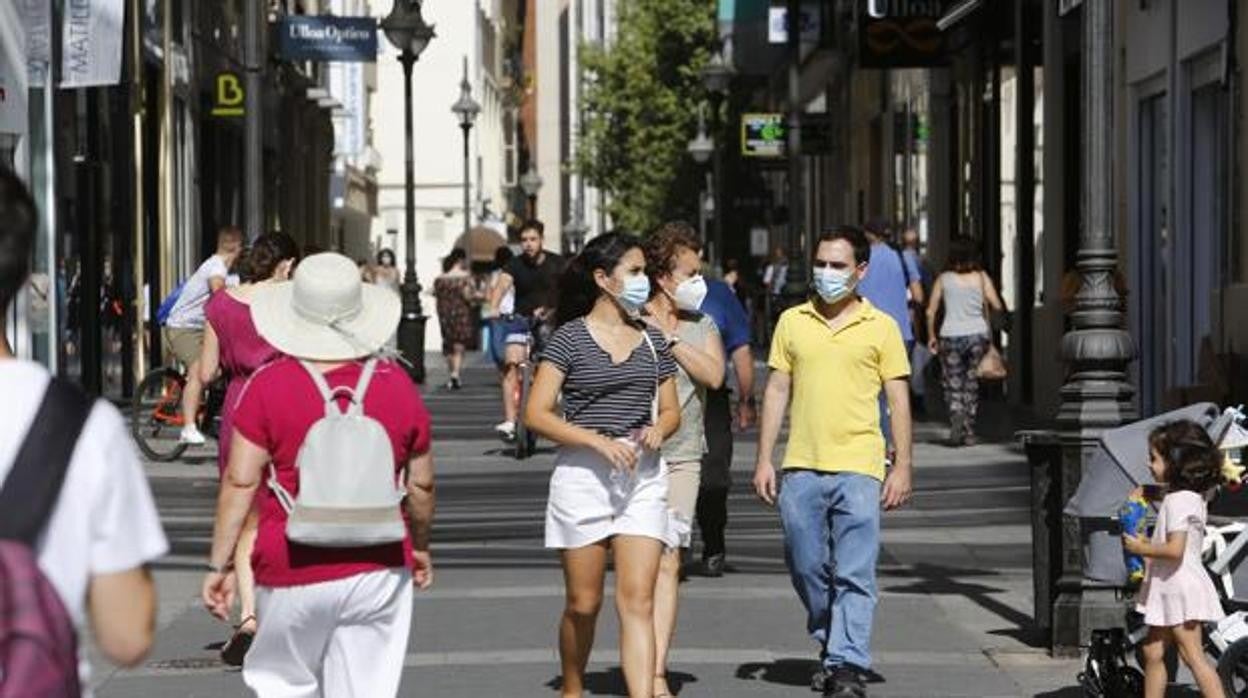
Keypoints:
pixel 34 483
pixel 366 378
pixel 330 395
pixel 654 406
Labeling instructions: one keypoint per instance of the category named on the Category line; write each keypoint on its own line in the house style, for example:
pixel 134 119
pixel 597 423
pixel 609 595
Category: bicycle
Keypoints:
pixel 526 441
pixel 156 413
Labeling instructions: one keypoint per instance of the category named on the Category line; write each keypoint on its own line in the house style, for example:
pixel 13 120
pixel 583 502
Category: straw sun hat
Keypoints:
pixel 326 313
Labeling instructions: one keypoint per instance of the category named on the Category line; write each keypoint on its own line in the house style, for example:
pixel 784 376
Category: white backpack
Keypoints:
pixel 348 494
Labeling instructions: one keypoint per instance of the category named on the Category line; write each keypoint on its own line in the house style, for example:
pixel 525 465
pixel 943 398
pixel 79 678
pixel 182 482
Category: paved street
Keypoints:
pixel 955 577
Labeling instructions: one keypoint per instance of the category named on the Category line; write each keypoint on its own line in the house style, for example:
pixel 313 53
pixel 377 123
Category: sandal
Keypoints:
pixel 664 694
pixel 235 649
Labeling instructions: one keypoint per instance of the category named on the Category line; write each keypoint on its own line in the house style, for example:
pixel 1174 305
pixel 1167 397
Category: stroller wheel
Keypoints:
pixel 1233 668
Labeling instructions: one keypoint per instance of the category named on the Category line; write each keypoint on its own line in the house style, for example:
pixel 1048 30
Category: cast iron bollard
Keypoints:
pixel 1044 454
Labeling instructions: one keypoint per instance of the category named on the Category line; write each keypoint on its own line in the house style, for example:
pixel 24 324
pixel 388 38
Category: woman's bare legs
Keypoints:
pixel 583 573
pixel 1188 638
pixel 1155 675
pixel 666 602
pixel 455 360
pixel 636 571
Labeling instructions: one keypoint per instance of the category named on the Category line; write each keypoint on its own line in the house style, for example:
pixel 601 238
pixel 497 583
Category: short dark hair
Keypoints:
pixel 18 221
pixel 534 224
pixel 878 227
pixel 269 250
pixel 964 256
pixel 851 234
pixel 457 255
pixel 661 246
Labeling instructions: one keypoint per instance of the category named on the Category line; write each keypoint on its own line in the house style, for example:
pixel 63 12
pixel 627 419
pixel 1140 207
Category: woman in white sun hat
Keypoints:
pixel 325 612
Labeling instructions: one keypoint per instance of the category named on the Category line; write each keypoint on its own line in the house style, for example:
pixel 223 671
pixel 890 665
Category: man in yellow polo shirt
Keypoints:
pixel 833 356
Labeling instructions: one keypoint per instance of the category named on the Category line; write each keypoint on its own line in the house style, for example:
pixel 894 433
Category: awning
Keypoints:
pixel 957 13
pixel 481 243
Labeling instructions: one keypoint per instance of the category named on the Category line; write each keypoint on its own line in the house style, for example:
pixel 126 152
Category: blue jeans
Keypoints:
pixel 832 541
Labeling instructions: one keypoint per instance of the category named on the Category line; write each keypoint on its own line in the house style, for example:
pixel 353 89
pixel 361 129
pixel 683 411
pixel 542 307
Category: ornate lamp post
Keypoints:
pixel 575 228
pixel 407 31
pixel 531 183
pixel 717 77
pixel 701 148
pixel 466 108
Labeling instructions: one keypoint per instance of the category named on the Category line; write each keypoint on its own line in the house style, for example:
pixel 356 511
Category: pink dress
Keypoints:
pixel 1178 591
pixel 242 351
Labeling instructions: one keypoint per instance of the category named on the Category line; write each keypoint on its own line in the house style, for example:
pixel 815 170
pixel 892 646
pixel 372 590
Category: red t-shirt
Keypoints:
pixel 277 408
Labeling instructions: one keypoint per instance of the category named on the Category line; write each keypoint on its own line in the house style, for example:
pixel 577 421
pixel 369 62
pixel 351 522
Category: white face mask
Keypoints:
pixel 690 294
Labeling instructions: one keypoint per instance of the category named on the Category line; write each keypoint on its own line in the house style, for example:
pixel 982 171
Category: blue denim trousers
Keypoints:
pixel 832 541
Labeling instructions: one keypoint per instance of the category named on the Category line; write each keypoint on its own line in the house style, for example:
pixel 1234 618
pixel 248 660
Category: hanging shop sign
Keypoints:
pixel 228 96
pixel 36 19
pixel 902 34
pixel 328 38
pixel 763 135
pixel 91 37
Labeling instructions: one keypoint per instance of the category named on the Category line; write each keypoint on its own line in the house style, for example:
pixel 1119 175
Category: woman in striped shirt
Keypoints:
pixel 608 492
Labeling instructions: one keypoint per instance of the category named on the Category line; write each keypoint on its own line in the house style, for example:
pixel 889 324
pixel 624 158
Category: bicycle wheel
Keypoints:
pixel 524 437
pixel 156 414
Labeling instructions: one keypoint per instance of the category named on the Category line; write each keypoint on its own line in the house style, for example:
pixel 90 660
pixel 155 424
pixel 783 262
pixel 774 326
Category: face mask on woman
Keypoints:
pixel 690 293
pixel 635 293
pixel 834 285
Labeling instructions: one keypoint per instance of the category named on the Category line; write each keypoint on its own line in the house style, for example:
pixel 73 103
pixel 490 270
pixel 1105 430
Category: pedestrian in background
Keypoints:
pixel 73 495
pixel 334 621
pixel 716 476
pixel 608 492
pixel 456 295
pixel 920 356
pixel 965 293
pixel 832 356
pixel 232 344
pixel 385 273
pixel 673 261
pixel 891 283
pixel 183 333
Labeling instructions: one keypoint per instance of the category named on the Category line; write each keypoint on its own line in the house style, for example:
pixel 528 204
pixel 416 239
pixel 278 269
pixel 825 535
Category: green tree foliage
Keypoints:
pixel 641 103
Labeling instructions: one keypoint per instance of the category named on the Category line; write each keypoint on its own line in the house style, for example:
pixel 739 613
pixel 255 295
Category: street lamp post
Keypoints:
pixel 717 78
pixel 701 148
pixel 531 183
pixel 407 31
pixel 466 108
pixel 574 230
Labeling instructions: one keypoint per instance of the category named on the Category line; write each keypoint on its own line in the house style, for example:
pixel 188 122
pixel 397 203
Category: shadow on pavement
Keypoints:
pixel 935 580
pixel 611 682
pixel 789 672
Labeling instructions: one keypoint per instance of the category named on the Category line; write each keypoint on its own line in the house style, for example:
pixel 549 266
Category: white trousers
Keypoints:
pixel 340 639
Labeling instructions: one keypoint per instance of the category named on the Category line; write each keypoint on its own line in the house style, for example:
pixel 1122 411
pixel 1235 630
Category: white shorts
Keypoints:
pixel 591 501
pixel 343 638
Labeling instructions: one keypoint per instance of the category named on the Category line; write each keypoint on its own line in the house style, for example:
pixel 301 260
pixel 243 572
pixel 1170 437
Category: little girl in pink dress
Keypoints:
pixel 1178 597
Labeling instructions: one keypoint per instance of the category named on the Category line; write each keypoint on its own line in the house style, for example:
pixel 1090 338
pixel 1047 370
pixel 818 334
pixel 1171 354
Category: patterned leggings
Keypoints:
pixel 959 360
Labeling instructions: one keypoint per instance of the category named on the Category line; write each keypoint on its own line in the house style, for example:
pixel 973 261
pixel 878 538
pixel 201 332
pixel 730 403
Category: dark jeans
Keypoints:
pixel 712 510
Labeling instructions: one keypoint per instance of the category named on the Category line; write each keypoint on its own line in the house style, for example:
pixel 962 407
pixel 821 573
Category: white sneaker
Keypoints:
pixel 191 436
pixel 506 430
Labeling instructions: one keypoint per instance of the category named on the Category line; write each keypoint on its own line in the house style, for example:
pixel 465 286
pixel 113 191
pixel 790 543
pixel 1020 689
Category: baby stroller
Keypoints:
pixel 1108 672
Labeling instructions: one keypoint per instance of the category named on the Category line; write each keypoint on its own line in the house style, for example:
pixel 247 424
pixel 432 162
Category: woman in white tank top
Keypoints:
pixel 966 293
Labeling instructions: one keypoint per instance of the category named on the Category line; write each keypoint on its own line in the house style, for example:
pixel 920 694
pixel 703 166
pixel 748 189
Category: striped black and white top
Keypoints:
pixel 611 399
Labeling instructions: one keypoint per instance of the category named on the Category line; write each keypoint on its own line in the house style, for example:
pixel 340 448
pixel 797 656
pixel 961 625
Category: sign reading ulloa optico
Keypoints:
pixel 327 38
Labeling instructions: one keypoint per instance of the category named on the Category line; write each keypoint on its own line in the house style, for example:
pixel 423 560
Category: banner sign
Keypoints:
pixel 763 135
pixel 91 38
pixel 328 38
pixel 902 34
pixel 37 25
